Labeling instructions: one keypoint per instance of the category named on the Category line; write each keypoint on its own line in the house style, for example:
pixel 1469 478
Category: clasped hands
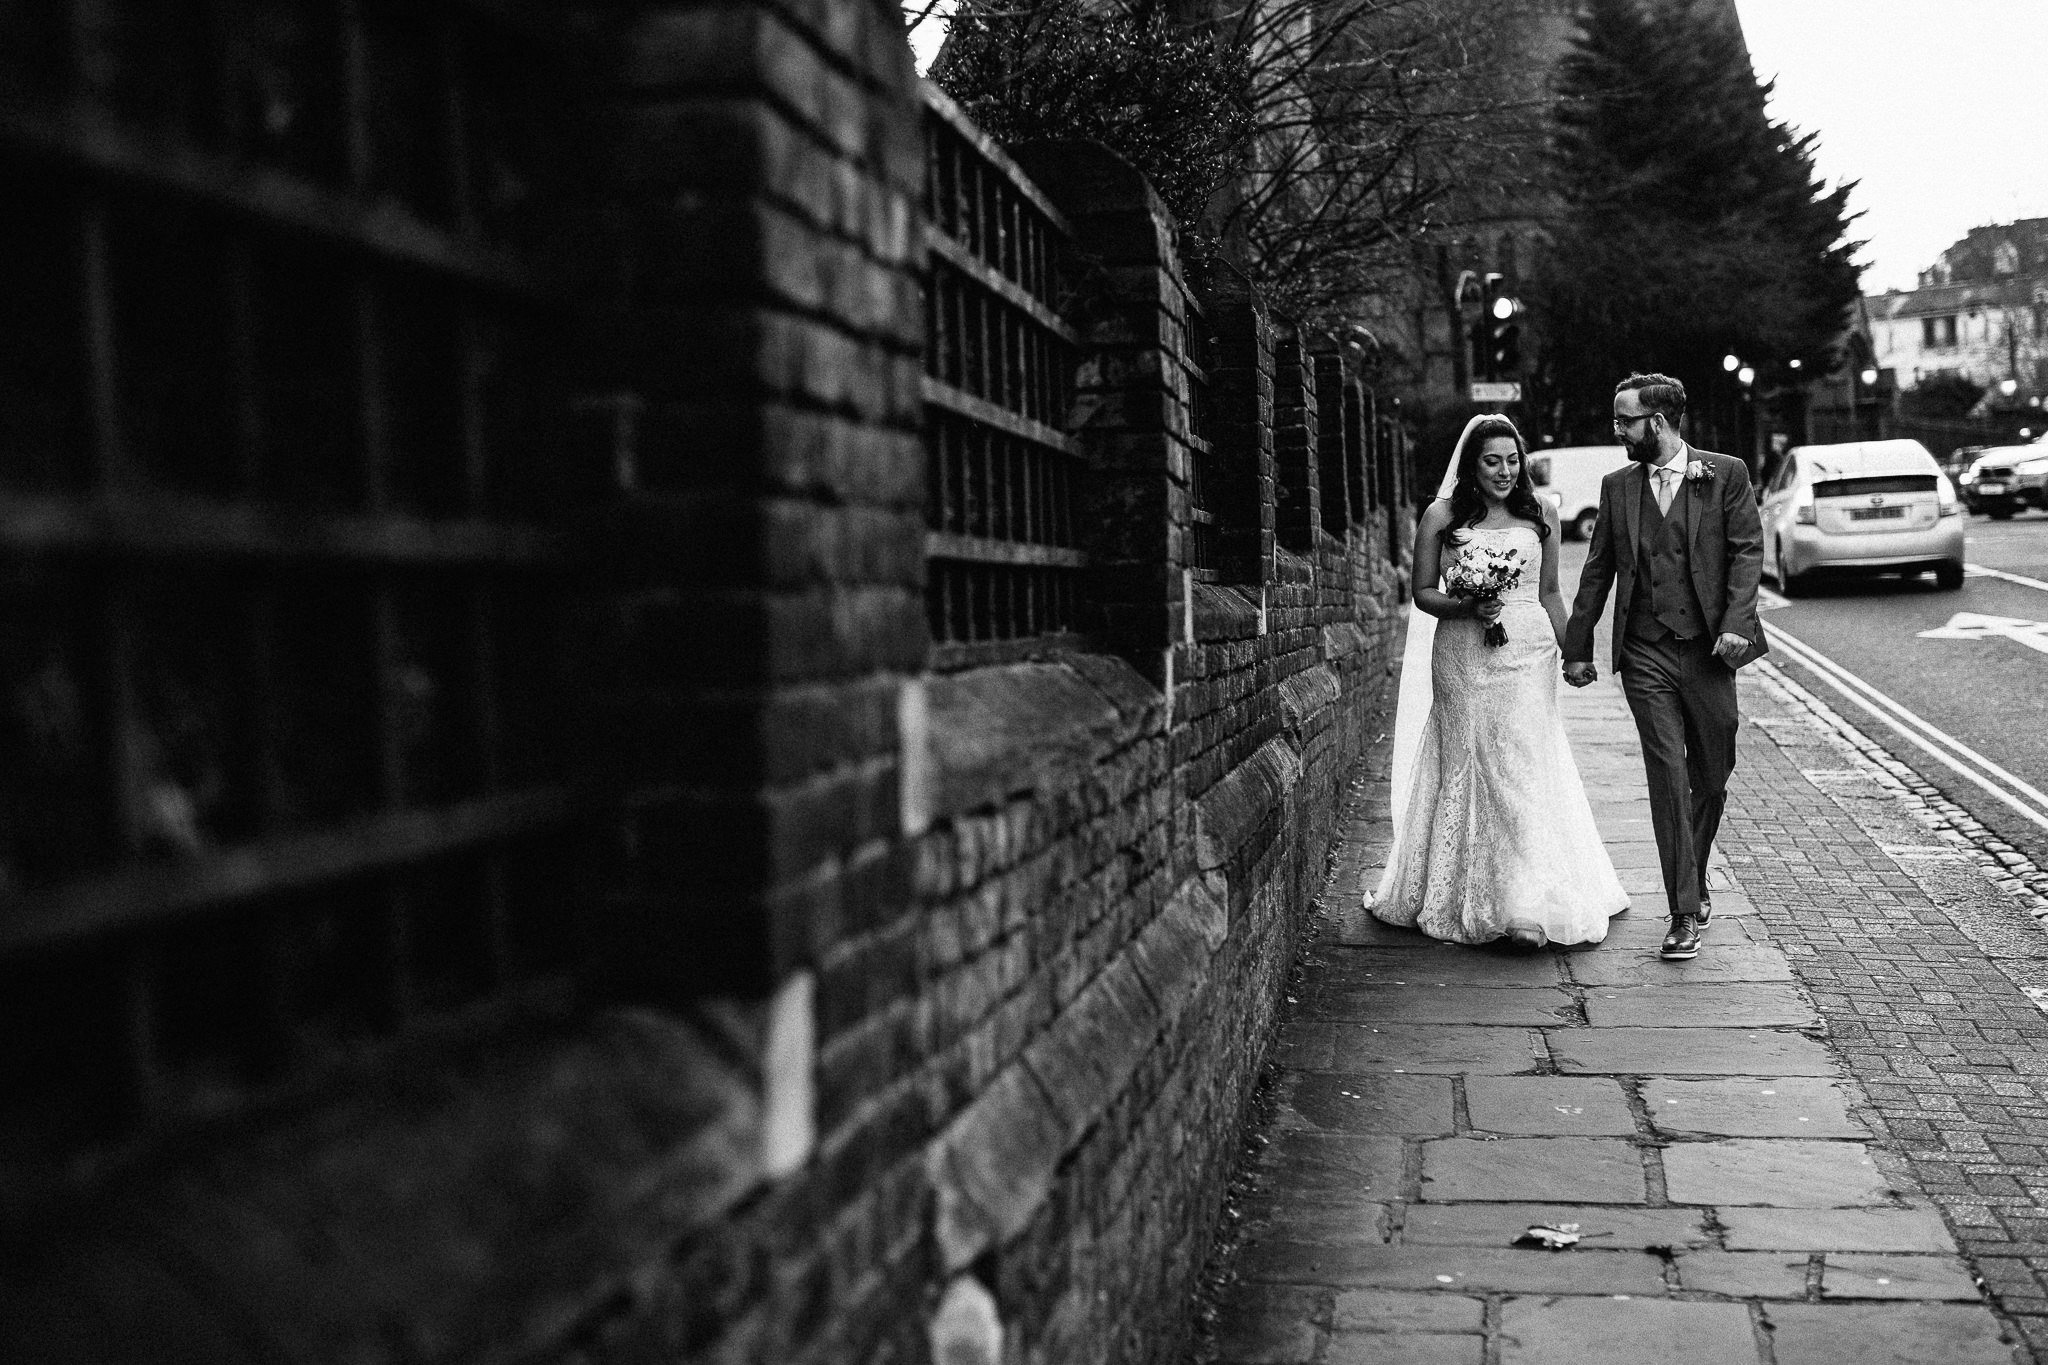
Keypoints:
pixel 1728 647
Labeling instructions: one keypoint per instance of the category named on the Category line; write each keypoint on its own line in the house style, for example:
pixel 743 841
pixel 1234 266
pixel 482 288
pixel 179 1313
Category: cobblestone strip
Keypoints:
pixel 2005 865
pixel 1916 934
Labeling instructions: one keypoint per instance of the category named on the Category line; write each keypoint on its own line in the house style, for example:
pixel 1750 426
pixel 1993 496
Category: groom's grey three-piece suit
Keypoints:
pixel 1681 579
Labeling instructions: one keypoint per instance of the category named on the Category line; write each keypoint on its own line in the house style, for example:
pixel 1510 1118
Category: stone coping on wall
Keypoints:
pixel 988 735
pixel 579 1156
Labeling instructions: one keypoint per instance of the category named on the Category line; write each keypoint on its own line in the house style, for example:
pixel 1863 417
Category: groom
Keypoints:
pixel 1679 536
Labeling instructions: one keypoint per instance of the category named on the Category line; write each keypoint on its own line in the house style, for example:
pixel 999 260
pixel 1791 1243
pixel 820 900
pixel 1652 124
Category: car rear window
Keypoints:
pixel 1883 483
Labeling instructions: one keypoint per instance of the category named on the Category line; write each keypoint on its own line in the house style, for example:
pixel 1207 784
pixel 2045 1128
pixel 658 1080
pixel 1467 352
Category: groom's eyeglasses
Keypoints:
pixel 1624 423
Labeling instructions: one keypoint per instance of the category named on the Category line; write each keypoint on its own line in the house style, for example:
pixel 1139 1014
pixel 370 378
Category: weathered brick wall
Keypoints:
pixel 914 1014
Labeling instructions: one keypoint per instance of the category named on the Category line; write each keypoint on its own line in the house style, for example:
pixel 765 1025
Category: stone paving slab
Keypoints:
pixel 1744 1274
pixel 1565 1170
pixel 1438 964
pixel 1779 1106
pixel 1860 1275
pixel 1729 956
pixel 1734 1004
pixel 1342 1103
pixel 1548 1106
pixel 1375 1349
pixel 1604 1227
pixel 1608 1331
pixel 1428 1048
pixel 1339 1165
pixel 1688 1052
pixel 1438 1004
pixel 1781 1173
pixel 1885 1334
pixel 1386 1310
pixel 1270 1324
pixel 1457 1270
pixel 1412 1048
pixel 1887 1229
pixel 1320 1218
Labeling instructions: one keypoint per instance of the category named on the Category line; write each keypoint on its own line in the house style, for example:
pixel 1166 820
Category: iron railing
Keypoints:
pixel 280 427
pixel 1002 542
pixel 1204 548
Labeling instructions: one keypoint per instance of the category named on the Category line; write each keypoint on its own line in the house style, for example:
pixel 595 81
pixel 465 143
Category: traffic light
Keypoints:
pixel 1500 319
pixel 1481 336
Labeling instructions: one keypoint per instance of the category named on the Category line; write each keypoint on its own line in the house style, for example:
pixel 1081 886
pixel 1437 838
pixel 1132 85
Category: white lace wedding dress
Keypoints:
pixel 1496 827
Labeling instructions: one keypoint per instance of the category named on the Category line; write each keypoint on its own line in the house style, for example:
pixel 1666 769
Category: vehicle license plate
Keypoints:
pixel 1875 513
pixel 1991 488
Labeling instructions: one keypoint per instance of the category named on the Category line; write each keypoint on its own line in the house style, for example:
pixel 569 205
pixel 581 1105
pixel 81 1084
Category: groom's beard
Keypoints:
pixel 1643 451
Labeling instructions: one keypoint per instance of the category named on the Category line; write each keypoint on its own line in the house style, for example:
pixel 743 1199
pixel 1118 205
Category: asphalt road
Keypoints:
pixel 1986 691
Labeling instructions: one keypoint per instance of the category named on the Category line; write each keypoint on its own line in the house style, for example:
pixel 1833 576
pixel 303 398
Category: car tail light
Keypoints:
pixel 1802 507
pixel 1945 492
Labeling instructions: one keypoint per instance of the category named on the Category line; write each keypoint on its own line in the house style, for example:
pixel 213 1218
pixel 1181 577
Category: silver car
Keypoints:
pixel 1863 507
pixel 2003 479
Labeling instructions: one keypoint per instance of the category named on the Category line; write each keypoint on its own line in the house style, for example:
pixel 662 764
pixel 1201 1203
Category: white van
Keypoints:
pixel 1570 476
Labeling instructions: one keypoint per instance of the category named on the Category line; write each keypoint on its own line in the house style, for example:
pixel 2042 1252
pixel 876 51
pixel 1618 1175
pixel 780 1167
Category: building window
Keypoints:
pixel 1937 333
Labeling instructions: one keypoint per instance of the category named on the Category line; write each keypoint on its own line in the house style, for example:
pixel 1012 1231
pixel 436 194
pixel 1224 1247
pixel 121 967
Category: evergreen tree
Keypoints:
pixel 1170 99
pixel 1691 223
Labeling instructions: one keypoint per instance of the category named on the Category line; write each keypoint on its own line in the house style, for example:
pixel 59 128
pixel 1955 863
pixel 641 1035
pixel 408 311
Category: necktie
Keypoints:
pixel 1667 486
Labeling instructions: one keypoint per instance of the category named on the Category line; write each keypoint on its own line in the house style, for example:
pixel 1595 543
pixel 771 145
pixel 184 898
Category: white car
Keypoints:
pixel 1863 507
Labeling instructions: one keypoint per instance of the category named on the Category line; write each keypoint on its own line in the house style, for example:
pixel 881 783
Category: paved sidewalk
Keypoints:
pixel 1738 1196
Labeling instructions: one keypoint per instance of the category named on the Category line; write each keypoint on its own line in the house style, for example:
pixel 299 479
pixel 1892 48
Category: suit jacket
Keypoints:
pixel 1724 552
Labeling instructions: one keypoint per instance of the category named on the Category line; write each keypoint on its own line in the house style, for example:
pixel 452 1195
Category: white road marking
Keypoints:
pixel 2028 800
pixel 1968 625
pixel 1981 571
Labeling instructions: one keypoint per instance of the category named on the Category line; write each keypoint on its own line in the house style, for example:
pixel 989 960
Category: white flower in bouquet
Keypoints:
pixel 1484 573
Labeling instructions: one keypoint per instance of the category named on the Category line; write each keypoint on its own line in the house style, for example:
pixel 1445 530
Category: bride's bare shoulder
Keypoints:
pixel 1436 516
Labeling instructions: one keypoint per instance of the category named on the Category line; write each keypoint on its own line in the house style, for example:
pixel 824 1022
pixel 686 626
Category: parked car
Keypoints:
pixel 2003 479
pixel 1570 477
pixel 1959 461
pixel 1862 507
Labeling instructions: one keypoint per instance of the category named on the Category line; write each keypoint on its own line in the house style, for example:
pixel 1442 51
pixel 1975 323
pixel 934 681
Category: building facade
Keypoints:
pixel 1980 312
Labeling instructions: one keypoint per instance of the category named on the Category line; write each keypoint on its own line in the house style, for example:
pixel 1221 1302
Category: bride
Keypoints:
pixel 1493 837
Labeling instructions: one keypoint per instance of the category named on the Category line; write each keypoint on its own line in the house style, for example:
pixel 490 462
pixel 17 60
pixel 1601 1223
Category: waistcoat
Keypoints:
pixel 1663 600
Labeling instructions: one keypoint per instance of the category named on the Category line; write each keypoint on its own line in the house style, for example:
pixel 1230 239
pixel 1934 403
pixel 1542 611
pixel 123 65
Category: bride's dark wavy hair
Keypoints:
pixel 1468 504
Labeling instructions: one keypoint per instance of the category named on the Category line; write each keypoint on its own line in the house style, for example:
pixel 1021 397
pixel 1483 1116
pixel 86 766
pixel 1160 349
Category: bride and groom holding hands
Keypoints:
pixel 1493 835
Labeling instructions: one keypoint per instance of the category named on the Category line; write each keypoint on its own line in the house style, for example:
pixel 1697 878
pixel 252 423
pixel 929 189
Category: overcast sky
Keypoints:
pixel 1939 108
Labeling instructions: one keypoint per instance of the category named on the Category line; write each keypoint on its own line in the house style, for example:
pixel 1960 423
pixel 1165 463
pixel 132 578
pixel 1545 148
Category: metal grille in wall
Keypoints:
pixel 1204 551
pixel 278 436
pixel 1003 557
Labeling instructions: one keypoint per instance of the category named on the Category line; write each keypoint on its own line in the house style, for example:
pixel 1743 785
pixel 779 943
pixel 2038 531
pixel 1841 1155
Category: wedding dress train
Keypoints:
pixel 1495 831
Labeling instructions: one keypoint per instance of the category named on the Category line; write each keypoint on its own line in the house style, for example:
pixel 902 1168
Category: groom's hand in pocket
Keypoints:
pixel 1730 648
pixel 1580 674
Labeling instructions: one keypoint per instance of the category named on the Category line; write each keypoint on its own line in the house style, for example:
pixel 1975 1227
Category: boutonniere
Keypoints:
pixel 1698 471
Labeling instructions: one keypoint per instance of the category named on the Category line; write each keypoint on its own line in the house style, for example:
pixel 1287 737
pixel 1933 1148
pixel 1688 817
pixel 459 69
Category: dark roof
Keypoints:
pixel 1974 255
pixel 1940 299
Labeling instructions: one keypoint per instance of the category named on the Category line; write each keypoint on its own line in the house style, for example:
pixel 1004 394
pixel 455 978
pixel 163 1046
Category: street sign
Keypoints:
pixel 1968 625
pixel 1484 392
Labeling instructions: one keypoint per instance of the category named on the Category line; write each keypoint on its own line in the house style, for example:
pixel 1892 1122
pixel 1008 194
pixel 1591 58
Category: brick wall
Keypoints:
pixel 900 1014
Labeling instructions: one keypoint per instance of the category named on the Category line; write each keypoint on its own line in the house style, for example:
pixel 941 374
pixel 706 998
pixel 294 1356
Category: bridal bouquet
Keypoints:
pixel 1484 573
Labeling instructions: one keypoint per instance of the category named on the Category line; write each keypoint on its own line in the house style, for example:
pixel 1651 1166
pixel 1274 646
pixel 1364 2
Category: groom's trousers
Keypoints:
pixel 1683 698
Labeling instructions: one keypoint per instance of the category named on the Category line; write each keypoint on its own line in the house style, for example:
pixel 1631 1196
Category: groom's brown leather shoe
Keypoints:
pixel 1683 941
